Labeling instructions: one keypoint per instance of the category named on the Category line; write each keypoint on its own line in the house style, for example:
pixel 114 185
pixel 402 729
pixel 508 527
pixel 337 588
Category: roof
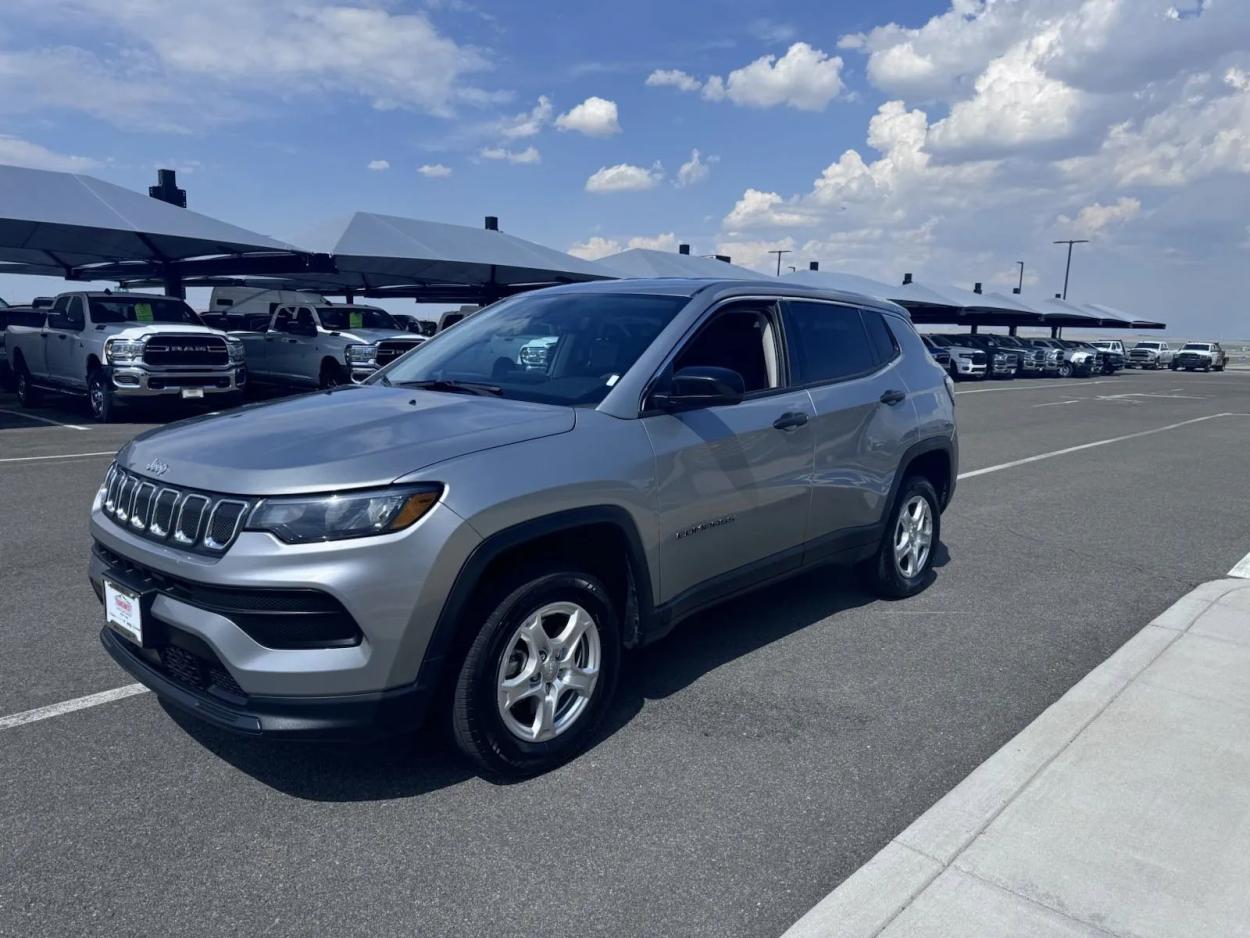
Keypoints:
pixel 644 262
pixel 387 253
pixel 63 224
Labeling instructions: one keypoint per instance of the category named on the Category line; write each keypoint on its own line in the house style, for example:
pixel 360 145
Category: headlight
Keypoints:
pixel 966 356
pixel 236 350
pixel 119 351
pixel 303 520
pixel 361 354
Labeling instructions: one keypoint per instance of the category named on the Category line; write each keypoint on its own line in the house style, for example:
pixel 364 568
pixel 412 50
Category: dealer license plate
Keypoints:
pixel 122 611
pixel 192 392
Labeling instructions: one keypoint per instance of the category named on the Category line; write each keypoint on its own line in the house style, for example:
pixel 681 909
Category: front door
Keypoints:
pixel 66 363
pixel 733 481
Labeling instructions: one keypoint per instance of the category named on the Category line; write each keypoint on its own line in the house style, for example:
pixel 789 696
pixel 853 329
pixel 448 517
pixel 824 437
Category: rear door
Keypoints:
pixel 850 363
pixel 733 481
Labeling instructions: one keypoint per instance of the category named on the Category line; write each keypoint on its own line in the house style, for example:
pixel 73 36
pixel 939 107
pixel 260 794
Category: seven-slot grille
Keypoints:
pixel 391 349
pixel 191 520
pixel 979 358
pixel 185 351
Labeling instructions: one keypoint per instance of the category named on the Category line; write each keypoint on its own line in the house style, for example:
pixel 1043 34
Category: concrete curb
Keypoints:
pixel 874 895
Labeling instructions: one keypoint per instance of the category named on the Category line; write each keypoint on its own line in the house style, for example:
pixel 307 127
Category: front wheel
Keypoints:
pixel 904 563
pixel 100 396
pixel 1065 370
pixel 539 676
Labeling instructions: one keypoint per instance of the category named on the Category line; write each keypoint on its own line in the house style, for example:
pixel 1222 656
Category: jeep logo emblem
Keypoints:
pixel 157 467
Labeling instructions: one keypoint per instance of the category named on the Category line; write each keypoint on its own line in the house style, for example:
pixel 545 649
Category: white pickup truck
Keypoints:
pixel 119 347
pixel 324 345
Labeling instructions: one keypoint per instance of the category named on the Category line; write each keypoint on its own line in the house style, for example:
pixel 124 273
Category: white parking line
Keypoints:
pixel 107 452
pixel 1046 387
pixel 1076 449
pixel 55 423
pixel 1057 403
pixel 1242 569
pixel 69 706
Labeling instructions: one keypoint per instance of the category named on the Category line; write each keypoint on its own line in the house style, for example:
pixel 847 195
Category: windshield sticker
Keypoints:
pixel 355 320
pixel 143 312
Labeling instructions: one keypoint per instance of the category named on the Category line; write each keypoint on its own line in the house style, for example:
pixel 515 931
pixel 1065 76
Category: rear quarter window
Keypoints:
pixel 829 342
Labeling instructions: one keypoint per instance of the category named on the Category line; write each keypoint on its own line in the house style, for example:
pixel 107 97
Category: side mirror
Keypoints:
pixel 700 386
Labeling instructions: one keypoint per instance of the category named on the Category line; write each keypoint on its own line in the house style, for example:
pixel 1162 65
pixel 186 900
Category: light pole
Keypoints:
pixel 1068 269
pixel 779 253
pixel 1020 288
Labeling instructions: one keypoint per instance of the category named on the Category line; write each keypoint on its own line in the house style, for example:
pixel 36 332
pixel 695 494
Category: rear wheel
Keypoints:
pixel 539 675
pixel 27 393
pixel 904 563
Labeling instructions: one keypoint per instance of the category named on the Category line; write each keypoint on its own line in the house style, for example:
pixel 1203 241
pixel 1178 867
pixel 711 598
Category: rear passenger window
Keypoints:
pixel 884 345
pixel 828 342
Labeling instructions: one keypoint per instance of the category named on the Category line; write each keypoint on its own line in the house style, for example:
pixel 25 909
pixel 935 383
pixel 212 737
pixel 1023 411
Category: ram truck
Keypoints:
pixel 120 348
pixel 324 346
pixel 1150 355
pixel 1200 356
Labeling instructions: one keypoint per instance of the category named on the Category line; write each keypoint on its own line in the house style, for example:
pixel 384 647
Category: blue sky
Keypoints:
pixel 948 139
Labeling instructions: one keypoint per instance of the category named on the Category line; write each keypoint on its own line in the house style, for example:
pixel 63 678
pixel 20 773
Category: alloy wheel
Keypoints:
pixel 548 671
pixel 913 536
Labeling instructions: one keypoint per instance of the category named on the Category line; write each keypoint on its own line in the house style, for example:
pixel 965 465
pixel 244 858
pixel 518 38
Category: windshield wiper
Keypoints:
pixel 462 387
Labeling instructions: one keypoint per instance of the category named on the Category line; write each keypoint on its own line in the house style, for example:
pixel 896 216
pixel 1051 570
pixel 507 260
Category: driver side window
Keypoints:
pixel 740 339
pixel 282 322
pixel 305 324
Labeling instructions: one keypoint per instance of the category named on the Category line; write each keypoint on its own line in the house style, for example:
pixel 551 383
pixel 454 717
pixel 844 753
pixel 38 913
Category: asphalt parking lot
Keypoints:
pixel 756 757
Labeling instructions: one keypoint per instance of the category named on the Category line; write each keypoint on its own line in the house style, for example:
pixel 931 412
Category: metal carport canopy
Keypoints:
pixel 837 280
pixel 1111 315
pixel 945 304
pixel 645 263
pixel 389 255
pixel 82 228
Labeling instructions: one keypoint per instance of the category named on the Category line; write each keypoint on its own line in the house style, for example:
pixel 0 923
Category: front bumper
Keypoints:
pixel 347 716
pixel 965 368
pixel 1004 369
pixel 137 381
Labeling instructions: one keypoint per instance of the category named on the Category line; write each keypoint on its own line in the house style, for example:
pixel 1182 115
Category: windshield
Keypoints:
pixel 1154 346
pixel 342 318
pixel 941 341
pixel 552 349
pixel 147 309
pixel 1197 347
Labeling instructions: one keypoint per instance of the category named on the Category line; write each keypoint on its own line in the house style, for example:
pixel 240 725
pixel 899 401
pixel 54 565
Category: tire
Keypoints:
pixel 1219 367
pixel 479 725
pixel 331 376
pixel 1065 370
pixel 887 573
pixel 27 394
pixel 100 399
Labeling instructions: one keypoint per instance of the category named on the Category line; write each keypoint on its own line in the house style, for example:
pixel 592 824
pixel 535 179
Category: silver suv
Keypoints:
pixel 487 538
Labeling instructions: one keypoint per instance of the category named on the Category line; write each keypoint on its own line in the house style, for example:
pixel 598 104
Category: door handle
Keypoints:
pixel 790 421
pixel 292 341
pixel 62 336
pixel 893 397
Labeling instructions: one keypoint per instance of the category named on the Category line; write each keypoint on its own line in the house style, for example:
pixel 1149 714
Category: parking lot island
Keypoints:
pixel 1121 810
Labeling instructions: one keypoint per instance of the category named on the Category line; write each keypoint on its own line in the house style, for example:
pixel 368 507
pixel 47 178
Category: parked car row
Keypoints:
pixel 112 349
pixel 991 355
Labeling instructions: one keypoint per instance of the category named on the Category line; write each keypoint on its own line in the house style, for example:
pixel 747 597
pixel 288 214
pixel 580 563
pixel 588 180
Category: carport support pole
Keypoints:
pixel 349 296
pixel 1011 330
pixel 173 285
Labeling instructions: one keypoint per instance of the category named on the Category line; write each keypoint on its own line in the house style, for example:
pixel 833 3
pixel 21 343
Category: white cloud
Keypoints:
pixel 527 123
pixel 157 60
pixel 379 165
pixel 18 152
pixel 803 78
pixel 694 170
pixel 1093 219
pixel 624 177
pixel 756 254
pixel 594 117
pixel 528 155
pixel 673 78
pixel 772 31
pixel 434 170
pixel 594 248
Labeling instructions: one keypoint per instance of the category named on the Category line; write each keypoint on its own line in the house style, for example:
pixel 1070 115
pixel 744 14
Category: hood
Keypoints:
pixel 369 336
pixel 139 330
pixel 351 437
